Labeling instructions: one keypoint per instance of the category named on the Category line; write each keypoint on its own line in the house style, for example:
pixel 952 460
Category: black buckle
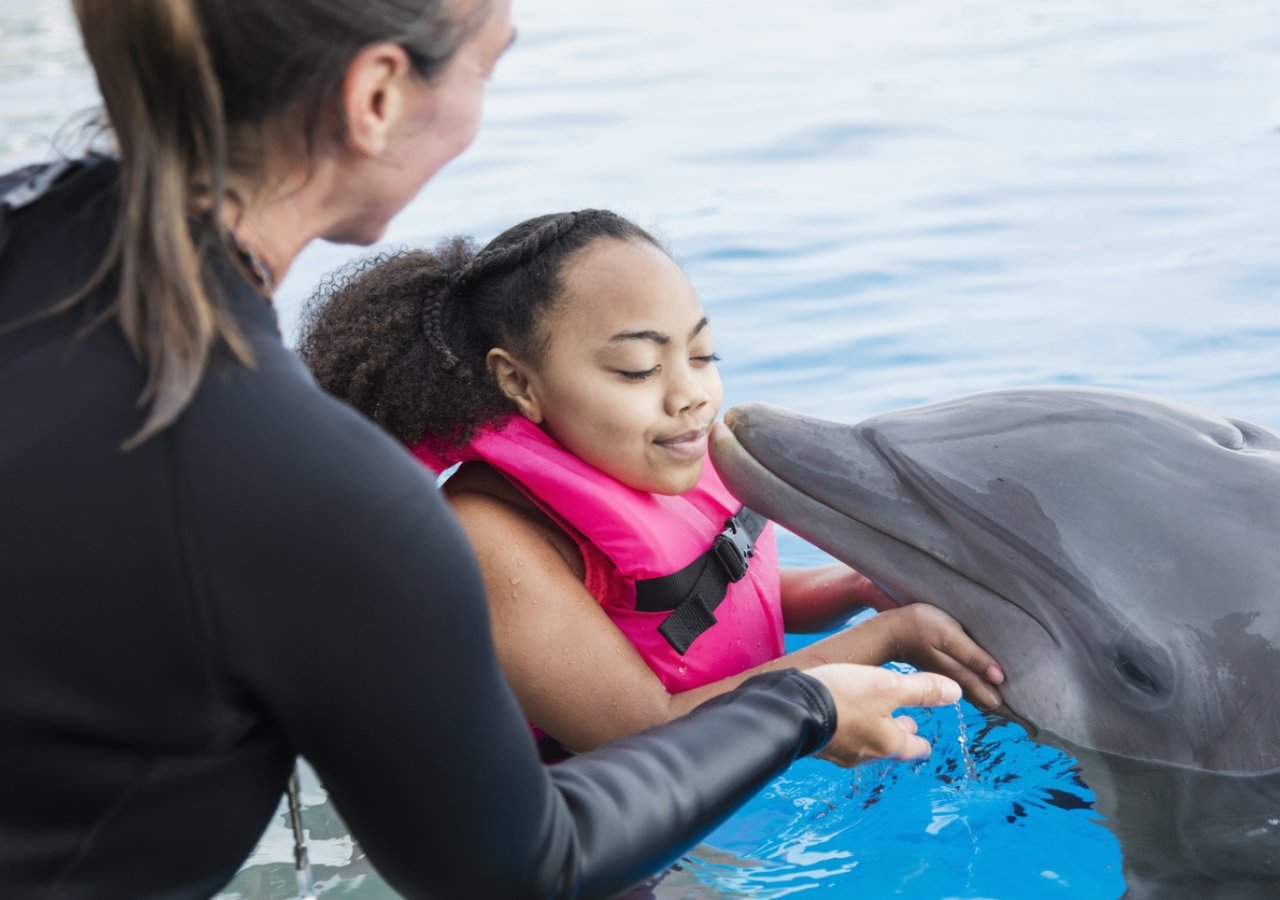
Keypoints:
pixel 733 547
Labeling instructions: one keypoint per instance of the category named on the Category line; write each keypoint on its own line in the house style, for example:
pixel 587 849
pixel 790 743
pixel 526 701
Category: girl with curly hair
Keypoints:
pixel 570 367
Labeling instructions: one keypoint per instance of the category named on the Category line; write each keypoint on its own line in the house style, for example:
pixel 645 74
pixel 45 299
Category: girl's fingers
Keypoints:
pixel 985 664
pixel 977 688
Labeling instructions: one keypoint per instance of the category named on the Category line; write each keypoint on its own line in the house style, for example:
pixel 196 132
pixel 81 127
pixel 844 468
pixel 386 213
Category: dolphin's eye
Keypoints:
pixel 1137 675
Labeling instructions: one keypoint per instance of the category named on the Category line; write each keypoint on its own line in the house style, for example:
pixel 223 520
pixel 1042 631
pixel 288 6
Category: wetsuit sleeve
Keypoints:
pixel 637 803
pixel 365 633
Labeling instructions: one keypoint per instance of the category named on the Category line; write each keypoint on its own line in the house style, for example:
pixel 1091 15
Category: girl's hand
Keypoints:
pixel 930 639
pixel 865 699
pixel 862 591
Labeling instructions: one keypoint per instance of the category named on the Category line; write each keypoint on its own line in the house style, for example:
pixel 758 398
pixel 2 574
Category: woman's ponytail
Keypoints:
pixel 165 108
pixel 200 91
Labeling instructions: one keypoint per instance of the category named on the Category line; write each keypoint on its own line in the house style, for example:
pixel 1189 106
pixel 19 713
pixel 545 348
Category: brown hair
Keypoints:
pixel 404 338
pixel 194 91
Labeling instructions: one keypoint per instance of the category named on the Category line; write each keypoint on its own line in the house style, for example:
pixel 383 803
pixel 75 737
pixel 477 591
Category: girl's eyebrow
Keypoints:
pixel 656 336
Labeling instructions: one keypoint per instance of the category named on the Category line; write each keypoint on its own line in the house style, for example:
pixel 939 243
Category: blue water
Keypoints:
pixel 996 815
pixel 882 203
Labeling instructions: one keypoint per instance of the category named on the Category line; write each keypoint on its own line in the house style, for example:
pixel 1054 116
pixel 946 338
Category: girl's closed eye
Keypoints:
pixel 639 376
pixel 707 359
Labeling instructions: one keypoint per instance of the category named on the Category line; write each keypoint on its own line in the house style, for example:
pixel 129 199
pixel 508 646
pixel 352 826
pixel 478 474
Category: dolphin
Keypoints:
pixel 1119 554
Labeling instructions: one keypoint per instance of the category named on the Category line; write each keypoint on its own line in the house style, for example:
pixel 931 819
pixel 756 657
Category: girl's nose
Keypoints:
pixel 685 392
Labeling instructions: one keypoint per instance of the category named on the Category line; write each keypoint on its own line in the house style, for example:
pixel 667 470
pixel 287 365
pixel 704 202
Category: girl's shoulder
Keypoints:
pixel 478 483
pixel 492 509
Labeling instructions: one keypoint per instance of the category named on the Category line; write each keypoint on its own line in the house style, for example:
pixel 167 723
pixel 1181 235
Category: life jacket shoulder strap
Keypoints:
pixel 693 593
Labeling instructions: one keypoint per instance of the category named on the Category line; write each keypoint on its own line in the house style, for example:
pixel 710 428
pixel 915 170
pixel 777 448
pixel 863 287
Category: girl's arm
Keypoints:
pixel 575 673
pixel 823 597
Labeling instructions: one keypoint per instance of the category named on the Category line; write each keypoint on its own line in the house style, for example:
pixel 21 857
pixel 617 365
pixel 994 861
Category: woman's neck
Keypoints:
pixel 274 221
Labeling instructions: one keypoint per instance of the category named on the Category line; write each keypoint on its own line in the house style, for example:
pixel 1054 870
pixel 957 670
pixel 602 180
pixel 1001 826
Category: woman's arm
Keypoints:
pixel 365 637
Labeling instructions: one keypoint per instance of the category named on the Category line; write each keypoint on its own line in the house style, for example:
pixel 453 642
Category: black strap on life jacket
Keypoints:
pixel 693 593
pixel 28 184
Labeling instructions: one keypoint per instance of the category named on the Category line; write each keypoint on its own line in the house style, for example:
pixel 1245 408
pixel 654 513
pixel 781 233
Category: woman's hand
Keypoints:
pixel 865 699
pixel 930 639
pixel 919 634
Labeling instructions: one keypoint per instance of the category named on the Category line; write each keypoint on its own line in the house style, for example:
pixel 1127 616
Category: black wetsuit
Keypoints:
pixel 272 575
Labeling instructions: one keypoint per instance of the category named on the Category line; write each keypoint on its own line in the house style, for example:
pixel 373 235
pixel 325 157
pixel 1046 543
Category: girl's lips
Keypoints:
pixel 689 443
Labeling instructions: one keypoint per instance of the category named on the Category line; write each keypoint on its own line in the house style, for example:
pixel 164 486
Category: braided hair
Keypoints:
pixel 404 337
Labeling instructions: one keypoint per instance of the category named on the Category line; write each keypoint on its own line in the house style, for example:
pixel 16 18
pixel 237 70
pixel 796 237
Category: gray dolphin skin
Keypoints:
pixel 1118 554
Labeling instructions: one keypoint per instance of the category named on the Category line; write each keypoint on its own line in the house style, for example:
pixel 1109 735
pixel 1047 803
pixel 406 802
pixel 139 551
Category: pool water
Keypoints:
pixel 882 203
pixel 990 813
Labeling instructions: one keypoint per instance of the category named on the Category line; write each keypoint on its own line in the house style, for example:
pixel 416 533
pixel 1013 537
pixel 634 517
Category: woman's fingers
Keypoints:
pixel 921 689
pixel 866 698
pixel 913 746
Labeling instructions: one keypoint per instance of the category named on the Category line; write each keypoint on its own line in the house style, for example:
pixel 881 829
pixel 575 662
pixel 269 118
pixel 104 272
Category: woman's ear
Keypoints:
pixel 513 380
pixel 373 96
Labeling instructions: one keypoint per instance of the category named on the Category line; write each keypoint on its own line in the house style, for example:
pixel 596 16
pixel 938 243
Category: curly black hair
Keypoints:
pixel 403 337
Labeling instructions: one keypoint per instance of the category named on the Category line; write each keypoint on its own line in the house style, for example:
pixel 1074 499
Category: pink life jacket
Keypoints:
pixel 672 554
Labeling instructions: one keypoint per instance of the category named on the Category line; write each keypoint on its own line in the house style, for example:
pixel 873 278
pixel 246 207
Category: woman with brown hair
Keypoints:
pixel 210 567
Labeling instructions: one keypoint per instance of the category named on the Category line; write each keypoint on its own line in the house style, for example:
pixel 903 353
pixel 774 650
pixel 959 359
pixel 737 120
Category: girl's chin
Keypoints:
pixel 676 480
pixel 660 473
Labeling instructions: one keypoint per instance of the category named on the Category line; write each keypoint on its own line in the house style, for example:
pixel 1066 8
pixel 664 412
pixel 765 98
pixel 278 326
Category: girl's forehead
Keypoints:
pixel 619 285
pixel 607 258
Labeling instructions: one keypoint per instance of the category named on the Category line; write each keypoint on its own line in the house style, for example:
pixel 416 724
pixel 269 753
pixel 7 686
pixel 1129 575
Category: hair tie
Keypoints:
pixel 455 282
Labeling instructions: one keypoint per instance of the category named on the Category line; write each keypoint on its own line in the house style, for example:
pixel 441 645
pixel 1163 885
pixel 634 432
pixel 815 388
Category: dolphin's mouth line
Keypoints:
pixel 909 476
pixel 761 470
pixel 763 474
pixel 1004 709
pixel 928 554
pixel 923 551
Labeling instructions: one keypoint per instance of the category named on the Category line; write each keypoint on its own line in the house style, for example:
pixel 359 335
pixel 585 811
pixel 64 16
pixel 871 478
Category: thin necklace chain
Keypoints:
pixel 254 267
pixel 257 269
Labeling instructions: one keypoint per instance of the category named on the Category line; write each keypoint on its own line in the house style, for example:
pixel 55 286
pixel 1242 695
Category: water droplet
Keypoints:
pixel 970 769
pixel 515 580
pixel 683 670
